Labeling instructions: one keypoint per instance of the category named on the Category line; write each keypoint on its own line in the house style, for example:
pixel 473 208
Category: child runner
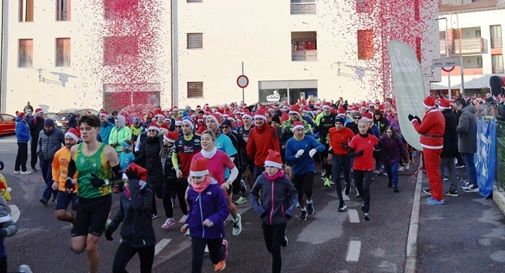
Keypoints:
pixel 207 212
pixel 275 205
pixel 392 147
pixel 364 165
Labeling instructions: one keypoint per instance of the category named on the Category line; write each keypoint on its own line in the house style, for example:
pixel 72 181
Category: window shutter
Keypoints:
pixel 195 90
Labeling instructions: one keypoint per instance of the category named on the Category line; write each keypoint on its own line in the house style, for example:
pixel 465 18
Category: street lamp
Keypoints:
pixel 447 55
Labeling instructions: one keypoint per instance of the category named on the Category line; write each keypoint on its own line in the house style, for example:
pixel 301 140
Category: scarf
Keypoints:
pixel 209 154
pixel 202 186
pixel 274 177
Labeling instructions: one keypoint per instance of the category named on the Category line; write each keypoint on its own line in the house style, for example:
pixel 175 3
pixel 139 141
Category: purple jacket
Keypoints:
pixel 210 204
pixel 391 150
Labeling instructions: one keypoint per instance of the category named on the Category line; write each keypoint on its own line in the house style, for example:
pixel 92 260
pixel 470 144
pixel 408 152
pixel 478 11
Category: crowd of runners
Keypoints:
pixel 209 160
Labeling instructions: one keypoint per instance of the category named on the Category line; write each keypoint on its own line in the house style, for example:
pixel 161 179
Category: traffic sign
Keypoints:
pixel 447 62
pixel 242 81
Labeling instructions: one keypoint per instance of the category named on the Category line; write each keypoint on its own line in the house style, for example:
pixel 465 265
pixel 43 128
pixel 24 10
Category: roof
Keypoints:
pixel 477 5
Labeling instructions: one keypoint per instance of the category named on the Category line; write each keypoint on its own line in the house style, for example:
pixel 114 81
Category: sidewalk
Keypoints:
pixel 467 234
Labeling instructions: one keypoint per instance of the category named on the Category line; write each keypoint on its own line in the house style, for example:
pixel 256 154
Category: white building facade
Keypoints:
pixel 475 37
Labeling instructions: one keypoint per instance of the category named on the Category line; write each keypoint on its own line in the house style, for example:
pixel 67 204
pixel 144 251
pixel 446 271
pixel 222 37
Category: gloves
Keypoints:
pixel 418 119
pixel 344 145
pixel 360 153
pixel 312 152
pixel 299 153
pixel 97 182
pixel 108 234
pixel 69 184
pixel 411 117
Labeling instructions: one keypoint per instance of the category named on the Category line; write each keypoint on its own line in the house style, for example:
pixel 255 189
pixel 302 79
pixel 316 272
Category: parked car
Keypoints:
pixel 59 119
pixel 7 124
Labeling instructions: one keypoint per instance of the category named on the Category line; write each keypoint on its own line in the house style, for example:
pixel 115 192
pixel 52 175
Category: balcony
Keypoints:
pixel 304 55
pixel 465 46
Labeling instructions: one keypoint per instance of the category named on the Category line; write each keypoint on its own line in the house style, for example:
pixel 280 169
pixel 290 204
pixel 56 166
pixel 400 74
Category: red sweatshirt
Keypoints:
pixel 260 140
pixel 340 138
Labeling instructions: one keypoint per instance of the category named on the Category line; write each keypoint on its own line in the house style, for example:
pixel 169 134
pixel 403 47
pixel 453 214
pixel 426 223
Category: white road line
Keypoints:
pixel 353 251
pixel 411 247
pixel 353 215
pixel 161 245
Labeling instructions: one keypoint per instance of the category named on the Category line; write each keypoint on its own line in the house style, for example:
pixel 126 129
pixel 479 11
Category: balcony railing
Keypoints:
pixel 496 43
pixel 304 55
pixel 474 45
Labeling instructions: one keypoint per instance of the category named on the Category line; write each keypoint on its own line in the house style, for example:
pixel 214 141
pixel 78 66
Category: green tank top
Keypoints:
pixel 94 164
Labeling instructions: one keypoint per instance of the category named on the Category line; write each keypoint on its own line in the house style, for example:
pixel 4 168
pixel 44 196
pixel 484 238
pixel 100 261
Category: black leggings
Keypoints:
pixel 33 149
pixel 303 184
pixel 274 236
pixel 126 252
pixel 362 180
pixel 21 157
pixel 3 264
pixel 178 186
pixel 198 246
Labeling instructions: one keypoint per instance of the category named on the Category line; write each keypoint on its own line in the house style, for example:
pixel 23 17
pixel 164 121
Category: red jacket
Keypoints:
pixel 431 129
pixel 339 139
pixel 260 140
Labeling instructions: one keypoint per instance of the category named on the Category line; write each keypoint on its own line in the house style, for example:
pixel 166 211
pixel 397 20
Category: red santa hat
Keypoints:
pixel 326 106
pixel 273 159
pixel 295 109
pixel 103 113
pixel 246 115
pixel 138 170
pixel 170 136
pixel 200 130
pixel 189 122
pixel 444 104
pixel 260 113
pixel 341 111
pixel 160 117
pixel 199 167
pixel 297 124
pixel 429 102
pixel 215 117
pixel 153 126
pixel 73 133
pixel 39 111
pixel 178 121
pixel 368 116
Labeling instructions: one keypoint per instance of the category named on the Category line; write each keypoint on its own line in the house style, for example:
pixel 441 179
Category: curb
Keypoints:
pixel 411 247
pixel 499 199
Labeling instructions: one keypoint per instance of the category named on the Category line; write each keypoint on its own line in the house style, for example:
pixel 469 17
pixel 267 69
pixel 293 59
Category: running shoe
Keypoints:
pixel 326 182
pixel 471 188
pixel 183 219
pixel 242 200
pixel 26 172
pixel 237 225
pixel 310 208
pixel 433 202
pixel 342 207
pixel 43 201
pixel 366 217
pixel 221 265
pixel 427 191
pixel 16 172
pixel 357 195
pixel 395 189
pixel 446 178
pixel 453 193
pixel 169 223
pixel 154 216
pixel 303 216
pixel 460 166
pixel 285 242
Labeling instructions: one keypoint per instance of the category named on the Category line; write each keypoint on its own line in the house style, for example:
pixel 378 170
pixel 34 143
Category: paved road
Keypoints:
pixel 328 242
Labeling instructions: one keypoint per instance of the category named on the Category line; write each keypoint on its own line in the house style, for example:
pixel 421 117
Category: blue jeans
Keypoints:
pixel 392 171
pixel 46 168
pixel 341 163
pixel 470 168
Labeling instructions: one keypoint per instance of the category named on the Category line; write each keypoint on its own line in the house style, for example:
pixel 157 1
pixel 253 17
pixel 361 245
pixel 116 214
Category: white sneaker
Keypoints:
pixel 26 172
pixel 237 225
pixel 16 172
pixel 183 219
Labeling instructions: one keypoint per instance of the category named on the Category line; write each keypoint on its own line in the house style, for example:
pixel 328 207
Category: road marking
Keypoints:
pixel 161 245
pixel 353 215
pixel 353 251
pixel 411 247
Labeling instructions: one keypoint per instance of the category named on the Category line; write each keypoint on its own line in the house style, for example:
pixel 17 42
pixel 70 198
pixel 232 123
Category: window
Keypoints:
pixel 303 6
pixel 63 10
pixel 62 51
pixel 365 44
pixel 117 9
pixel 364 6
pixel 496 37
pixel 25 10
pixel 120 49
pixel 304 46
pixel 195 40
pixel 497 64
pixel 25 53
pixel 195 90
pixel 194 1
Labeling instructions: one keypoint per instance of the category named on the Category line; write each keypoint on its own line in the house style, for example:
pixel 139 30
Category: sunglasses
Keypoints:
pixel 225 127
pixel 178 126
pixel 153 130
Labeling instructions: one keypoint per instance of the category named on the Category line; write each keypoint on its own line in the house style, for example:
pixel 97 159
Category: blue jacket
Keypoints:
pixel 305 163
pixel 105 129
pixel 277 201
pixel 22 131
pixel 210 204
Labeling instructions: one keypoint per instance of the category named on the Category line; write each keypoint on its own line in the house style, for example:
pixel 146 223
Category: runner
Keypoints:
pixel 218 161
pixel 300 151
pixel 96 164
pixel 67 191
pixel 50 140
pixel 207 213
pixel 325 121
pixel 275 206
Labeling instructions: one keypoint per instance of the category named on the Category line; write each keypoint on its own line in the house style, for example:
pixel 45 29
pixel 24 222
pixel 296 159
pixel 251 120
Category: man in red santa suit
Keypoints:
pixel 431 129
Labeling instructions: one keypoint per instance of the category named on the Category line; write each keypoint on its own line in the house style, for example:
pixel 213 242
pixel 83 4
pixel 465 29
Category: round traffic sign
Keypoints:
pixel 242 81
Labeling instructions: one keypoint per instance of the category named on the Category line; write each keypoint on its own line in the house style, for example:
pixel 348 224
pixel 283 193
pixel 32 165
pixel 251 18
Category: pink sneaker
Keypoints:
pixel 224 246
pixel 169 223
